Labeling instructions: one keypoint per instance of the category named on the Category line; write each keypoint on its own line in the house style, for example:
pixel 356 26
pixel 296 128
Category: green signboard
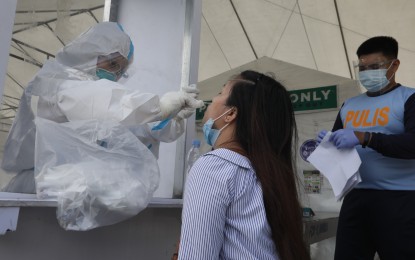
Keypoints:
pixel 302 100
pixel 314 98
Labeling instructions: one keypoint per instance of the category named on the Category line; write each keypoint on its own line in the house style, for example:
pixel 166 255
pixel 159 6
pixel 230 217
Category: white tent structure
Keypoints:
pixel 321 35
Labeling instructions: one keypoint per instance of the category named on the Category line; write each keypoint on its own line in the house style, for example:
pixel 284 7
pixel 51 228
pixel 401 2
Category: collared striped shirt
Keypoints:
pixel 223 211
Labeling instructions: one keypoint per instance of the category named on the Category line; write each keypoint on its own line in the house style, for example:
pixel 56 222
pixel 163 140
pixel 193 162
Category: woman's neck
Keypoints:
pixel 234 146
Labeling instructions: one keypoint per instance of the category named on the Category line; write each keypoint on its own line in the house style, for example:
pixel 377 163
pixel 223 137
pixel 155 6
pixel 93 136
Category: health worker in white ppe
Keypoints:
pixel 81 84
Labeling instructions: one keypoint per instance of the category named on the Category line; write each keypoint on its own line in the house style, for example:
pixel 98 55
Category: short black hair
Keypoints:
pixel 386 45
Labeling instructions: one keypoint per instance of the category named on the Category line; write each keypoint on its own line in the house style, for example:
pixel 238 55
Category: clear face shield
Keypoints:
pixel 112 66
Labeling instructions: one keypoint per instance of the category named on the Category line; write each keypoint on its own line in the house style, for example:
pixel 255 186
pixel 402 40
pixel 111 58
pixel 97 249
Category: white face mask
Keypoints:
pixel 374 80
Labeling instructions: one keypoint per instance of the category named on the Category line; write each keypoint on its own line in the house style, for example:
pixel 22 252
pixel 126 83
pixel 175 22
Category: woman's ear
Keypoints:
pixel 232 115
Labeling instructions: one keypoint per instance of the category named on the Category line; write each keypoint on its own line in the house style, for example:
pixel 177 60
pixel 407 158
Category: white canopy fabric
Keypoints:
pixel 318 34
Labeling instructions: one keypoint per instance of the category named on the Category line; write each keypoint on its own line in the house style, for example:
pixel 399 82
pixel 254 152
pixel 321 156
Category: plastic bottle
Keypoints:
pixel 192 156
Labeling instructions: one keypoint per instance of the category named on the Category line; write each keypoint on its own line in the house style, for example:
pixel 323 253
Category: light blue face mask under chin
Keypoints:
pixel 104 74
pixel 210 134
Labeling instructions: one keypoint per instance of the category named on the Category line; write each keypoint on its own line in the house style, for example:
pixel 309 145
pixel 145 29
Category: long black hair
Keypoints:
pixel 266 130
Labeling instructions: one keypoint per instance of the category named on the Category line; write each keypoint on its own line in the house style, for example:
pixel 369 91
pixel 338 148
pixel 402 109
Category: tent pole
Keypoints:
pixel 343 40
pixel 243 28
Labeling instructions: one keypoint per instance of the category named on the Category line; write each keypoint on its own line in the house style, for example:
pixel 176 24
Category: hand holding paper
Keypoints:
pixel 339 166
pixel 344 138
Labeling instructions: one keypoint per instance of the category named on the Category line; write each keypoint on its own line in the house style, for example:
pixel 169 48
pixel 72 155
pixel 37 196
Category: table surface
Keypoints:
pixel 8 199
pixel 319 227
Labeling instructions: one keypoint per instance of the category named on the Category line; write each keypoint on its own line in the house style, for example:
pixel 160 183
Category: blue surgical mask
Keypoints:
pixel 210 134
pixel 374 80
pixel 105 74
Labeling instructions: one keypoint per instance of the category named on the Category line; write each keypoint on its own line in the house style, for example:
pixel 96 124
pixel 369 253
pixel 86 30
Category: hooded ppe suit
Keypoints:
pixel 68 89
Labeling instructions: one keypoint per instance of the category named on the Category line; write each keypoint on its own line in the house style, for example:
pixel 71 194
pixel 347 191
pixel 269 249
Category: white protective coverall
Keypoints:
pixel 68 89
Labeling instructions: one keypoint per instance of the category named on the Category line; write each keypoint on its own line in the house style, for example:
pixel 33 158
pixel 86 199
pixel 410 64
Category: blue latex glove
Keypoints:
pixel 344 138
pixel 321 135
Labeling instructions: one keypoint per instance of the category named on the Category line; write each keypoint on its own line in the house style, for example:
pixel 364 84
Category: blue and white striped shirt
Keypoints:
pixel 223 211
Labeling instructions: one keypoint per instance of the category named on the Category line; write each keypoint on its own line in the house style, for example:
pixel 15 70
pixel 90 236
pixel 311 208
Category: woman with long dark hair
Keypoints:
pixel 241 198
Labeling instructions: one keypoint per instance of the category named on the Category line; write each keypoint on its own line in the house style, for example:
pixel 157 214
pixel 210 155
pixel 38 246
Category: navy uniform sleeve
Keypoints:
pixel 400 146
pixel 338 124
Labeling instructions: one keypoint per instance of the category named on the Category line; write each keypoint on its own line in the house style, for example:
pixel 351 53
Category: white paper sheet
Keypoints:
pixel 339 166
